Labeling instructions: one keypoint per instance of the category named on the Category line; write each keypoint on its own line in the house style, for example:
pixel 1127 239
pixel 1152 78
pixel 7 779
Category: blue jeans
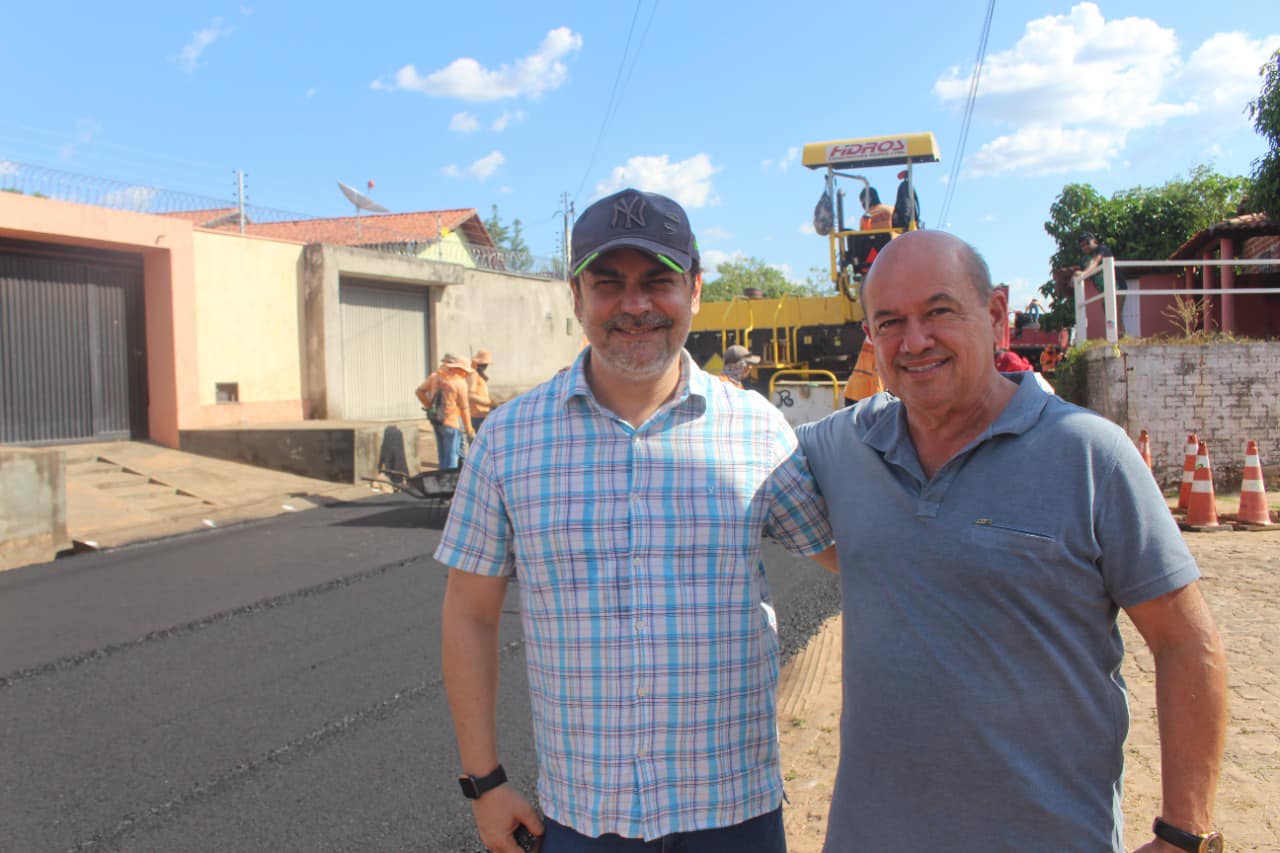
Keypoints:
pixel 763 834
pixel 448 446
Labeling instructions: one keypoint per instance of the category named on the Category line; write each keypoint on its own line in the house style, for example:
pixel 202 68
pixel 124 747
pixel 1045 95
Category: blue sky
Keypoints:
pixel 479 103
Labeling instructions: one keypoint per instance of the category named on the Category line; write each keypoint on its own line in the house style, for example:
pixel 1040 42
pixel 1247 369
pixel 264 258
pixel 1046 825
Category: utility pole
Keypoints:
pixel 566 208
pixel 240 196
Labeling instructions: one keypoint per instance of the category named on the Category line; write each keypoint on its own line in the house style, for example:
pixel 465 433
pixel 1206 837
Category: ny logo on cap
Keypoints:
pixel 631 210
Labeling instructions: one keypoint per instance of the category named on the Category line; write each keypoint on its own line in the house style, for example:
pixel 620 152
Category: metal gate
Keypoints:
pixel 384 350
pixel 72 349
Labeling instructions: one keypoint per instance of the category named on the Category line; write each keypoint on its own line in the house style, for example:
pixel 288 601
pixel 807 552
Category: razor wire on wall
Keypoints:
pixel 224 215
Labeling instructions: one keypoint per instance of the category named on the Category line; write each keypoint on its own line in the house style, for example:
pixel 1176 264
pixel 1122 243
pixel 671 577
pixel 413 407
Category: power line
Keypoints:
pixel 954 177
pixel 608 110
pixel 635 60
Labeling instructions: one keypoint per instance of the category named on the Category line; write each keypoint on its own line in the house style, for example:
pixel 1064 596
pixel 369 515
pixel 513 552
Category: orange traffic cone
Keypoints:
pixel 1188 470
pixel 1253 494
pixel 1144 447
pixel 1202 511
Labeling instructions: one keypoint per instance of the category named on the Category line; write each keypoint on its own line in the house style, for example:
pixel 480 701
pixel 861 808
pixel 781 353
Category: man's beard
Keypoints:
pixel 620 356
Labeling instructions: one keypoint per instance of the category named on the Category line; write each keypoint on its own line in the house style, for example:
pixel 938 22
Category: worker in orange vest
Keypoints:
pixel 863 381
pixel 478 387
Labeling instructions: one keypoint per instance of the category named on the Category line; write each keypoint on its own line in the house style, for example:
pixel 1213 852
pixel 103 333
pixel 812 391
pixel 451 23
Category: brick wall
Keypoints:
pixel 1226 393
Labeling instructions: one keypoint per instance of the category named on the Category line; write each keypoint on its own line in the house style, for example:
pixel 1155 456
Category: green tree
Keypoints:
pixel 1264 193
pixel 819 283
pixel 510 239
pixel 518 251
pixel 733 277
pixel 1142 222
pixel 496 229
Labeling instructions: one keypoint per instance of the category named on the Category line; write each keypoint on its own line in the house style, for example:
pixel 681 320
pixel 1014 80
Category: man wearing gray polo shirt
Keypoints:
pixel 989 534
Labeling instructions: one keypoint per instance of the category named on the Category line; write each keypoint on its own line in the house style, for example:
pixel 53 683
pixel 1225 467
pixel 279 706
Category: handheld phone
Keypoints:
pixel 527 840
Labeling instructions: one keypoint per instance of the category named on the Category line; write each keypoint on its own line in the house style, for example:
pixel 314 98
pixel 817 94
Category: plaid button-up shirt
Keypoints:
pixel 651 649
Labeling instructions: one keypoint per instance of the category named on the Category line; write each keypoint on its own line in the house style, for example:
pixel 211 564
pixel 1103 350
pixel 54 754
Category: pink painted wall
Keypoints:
pixel 169 290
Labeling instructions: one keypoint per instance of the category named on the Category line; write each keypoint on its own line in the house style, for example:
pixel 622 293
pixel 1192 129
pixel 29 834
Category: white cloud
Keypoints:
pixel 130 198
pixel 481 169
pixel 468 80
pixel 505 189
pixel 500 123
pixel 784 162
pixel 86 131
pixel 188 58
pixel 463 123
pixel 1045 150
pixel 785 269
pixel 1221 76
pixel 715 232
pixel 688 181
pixel 1074 86
pixel 712 258
pixel 807 228
pixel 8 167
pixel 1021 292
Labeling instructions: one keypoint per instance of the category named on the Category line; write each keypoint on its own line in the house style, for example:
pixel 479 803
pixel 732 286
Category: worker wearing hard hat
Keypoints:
pixel 737 364
pixel 478 387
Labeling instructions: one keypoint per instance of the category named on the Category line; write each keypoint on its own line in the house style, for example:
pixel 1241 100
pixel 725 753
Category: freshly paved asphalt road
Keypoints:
pixel 274 686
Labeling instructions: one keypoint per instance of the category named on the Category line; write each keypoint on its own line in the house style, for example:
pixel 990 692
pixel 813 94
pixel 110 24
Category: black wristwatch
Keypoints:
pixel 473 787
pixel 1180 838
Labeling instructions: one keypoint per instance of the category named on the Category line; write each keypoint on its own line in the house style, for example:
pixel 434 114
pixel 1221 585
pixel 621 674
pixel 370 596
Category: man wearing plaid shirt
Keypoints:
pixel 629 494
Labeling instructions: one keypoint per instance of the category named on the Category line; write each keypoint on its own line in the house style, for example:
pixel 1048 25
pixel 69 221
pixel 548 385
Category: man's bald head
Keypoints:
pixel 960 255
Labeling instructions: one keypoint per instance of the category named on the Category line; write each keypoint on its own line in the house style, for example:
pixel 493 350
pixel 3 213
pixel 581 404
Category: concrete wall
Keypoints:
pixel 339 453
pixel 527 323
pixel 1226 393
pixel 247 328
pixel 33 506
pixel 264 313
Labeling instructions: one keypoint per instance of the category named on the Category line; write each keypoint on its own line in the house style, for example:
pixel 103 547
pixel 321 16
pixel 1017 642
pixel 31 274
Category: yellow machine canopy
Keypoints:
pixel 872 151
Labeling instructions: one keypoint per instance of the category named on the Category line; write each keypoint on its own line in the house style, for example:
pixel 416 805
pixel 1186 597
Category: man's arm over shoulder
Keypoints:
pixel 798 512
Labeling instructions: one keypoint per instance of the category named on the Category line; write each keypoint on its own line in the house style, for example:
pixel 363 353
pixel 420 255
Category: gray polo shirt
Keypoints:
pixel 983 703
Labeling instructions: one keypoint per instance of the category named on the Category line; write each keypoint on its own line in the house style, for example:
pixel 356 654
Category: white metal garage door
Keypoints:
pixel 384 350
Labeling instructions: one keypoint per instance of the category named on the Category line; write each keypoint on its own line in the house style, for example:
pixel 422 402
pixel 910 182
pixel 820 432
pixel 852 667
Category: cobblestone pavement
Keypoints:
pixel 1241 580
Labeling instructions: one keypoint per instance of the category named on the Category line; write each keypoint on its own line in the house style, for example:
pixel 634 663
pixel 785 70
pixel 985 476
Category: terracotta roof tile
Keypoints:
pixel 1246 225
pixel 199 217
pixel 379 228
pixel 372 229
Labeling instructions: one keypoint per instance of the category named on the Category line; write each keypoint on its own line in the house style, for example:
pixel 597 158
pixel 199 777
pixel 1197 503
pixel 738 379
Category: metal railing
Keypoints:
pixel 1108 294
pixel 227 215
pixel 803 373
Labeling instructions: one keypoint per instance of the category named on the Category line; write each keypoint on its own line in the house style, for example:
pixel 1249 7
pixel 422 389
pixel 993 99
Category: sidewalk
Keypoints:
pixel 1241 580
pixel 127 491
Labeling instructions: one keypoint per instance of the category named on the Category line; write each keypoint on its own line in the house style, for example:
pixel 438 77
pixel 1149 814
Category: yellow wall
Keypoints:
pixel 247 327
pixel 450 248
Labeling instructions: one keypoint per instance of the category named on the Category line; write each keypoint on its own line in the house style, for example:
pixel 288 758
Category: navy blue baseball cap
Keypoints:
pixel 631 219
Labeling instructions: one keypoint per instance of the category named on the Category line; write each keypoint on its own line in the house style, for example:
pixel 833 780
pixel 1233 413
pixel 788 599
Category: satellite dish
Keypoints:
pixel 360 200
